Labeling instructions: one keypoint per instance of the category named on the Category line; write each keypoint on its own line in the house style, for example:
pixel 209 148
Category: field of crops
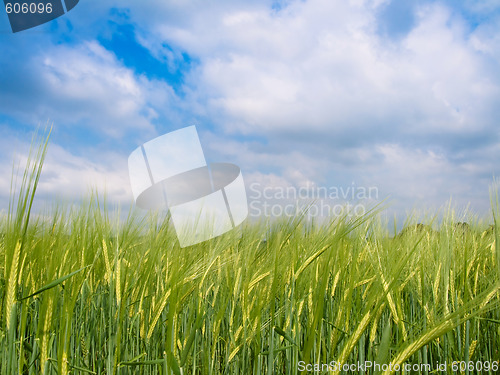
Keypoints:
pixel 82 293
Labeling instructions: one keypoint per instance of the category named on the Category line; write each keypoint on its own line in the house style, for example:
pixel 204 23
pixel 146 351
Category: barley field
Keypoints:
pixel 84 293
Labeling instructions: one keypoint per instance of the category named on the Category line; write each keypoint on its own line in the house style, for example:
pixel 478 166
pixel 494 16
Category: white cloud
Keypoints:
pixel 88 80
pixel 73 176
pixel 65 176
pixel 319 65
pixel 85 85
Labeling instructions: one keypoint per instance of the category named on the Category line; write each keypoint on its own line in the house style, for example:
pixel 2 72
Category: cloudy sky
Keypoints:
pixel 399 95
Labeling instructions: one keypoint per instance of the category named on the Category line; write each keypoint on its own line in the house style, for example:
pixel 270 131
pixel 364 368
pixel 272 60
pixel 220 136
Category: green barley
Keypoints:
pixel 83 293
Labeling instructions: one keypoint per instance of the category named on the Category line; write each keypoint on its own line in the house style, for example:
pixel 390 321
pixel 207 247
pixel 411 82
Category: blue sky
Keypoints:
pixel 401 95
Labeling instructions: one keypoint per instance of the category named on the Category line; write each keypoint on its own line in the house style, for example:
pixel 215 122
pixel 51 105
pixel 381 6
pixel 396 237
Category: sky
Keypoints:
pixel 401 97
